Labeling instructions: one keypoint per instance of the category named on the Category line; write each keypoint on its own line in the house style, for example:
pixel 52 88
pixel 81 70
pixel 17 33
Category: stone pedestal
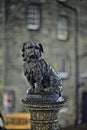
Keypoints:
pixel 44 108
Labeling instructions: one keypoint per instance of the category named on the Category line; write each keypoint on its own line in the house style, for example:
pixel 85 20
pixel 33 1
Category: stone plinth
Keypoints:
pixel 44 108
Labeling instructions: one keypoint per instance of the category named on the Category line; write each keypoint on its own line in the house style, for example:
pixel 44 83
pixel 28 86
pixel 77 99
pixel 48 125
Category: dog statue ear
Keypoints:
pixel 41 47
pixel 23 48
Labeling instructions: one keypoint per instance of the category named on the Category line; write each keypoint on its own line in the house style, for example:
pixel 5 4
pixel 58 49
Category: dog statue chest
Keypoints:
pixel 35 70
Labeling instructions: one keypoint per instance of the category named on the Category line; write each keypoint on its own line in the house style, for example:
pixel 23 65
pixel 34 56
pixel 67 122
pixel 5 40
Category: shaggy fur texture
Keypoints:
pixel 38 72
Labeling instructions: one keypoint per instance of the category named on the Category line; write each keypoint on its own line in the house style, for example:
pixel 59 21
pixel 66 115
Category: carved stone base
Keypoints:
pixel 44 108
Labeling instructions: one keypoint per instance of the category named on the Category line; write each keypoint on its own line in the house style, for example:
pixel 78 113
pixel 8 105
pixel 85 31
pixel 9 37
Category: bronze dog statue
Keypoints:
pixel 38 72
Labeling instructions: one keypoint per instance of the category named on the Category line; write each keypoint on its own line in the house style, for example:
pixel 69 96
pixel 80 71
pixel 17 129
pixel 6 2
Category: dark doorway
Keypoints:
pixel 84 108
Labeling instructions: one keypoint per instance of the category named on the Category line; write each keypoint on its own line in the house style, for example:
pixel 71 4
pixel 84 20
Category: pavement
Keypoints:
pixel 76 128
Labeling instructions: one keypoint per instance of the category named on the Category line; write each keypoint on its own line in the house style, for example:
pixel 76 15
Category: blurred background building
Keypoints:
pixel 61 27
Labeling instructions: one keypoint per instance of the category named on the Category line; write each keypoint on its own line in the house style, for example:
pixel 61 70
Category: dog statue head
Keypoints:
pixel 32 51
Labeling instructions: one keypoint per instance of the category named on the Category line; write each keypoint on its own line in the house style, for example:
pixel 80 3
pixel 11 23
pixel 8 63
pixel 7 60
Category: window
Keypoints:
pixel 64 66
pixel 83 66
pixel 8 100
pixel 62 27
pixel 33 17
